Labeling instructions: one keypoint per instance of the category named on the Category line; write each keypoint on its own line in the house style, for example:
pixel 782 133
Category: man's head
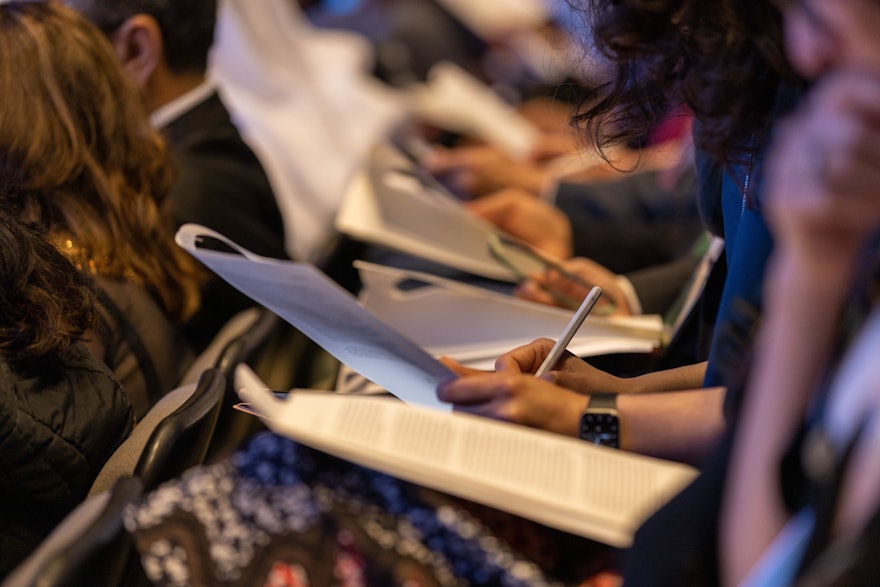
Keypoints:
pixel 174 35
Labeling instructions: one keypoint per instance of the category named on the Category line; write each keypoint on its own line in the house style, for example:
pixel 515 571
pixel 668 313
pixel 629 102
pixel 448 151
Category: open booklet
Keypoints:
pixel 394 203
pixel 581 488
pixel 593 491
pixel 478 324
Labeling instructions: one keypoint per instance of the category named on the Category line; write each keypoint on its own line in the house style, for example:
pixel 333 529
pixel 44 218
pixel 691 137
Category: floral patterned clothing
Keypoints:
pixel 279 514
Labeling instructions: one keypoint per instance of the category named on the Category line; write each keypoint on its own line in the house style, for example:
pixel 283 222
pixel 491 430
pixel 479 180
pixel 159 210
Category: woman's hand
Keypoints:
pixel 590 273
pixel 822 200
pixel 512 393
pixel 518 398
pixel 533 221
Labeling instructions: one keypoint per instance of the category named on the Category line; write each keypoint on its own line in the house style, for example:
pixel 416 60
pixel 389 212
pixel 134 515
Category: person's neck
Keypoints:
pixel 165 87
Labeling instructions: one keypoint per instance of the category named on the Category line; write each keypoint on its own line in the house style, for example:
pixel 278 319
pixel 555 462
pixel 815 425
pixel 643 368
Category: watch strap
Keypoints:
pixel 602 401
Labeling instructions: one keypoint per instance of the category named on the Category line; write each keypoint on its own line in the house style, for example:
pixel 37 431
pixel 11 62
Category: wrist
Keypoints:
pixel 600 421
pixel 792 276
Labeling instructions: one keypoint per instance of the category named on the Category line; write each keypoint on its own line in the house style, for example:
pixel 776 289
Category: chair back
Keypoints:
pixel 89 547
pixel 237 326
pixel 247 345
pixel 282 356
pixel 181 439
pixel 256 344
pixel 125 458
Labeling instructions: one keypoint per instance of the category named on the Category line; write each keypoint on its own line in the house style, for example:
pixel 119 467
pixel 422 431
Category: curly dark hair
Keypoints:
pixel 724 59
pixel 47 303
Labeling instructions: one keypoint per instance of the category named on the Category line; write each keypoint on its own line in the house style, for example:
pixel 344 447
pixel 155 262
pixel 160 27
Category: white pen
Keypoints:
pixel 570 330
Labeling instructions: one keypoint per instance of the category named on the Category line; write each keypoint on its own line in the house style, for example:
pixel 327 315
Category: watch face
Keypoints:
pixel 601 427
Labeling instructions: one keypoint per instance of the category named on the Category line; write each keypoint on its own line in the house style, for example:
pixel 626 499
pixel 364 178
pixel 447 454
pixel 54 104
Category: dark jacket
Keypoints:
pixel 222 185
pixel 145 350
pixel 57 428
pixel 632 223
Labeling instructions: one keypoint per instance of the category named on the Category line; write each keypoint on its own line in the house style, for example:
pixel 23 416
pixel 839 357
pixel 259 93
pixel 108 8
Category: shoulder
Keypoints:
pixel 57 429
pixel 149 353
pixel 58 425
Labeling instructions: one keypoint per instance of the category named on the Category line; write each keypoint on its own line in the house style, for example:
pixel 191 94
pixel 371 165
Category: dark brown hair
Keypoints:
pixel 187 26
pixel 46 303
pixel 724 59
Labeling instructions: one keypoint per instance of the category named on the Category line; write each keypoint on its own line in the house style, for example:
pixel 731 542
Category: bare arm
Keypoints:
pixel 656 418
pixel 677 425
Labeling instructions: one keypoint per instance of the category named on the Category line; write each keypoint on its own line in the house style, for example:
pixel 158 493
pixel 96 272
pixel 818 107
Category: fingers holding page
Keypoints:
pixel 517 398
pixel 459 369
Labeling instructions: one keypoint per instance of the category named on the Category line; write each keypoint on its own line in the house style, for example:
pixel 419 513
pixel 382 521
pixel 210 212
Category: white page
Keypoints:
pixel 498 17
pixel 475 325
pixel 393 203
pixel 455 100
pixel 593 491
pixel 329 315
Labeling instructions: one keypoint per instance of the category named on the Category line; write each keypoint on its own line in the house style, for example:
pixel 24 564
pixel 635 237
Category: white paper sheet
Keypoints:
pixel 393 203
pixel 475 325
pixel 329 315
pixel 455 100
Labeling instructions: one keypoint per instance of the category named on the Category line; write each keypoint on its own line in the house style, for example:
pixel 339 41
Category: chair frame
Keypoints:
pixel 102 552
pixel 181 439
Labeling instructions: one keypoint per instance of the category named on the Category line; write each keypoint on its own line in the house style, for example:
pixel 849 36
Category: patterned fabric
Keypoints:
pixel 279 514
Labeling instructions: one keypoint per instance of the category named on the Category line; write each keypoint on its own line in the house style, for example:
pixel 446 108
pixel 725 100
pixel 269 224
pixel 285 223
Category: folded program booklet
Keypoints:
pixel 593 491
pixel 395 204
pixel 475 325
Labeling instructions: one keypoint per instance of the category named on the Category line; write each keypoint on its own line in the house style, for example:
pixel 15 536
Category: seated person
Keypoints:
pixel 81 161
pixel 559 155
pixel 62 413
pixel 219 182
pixel 630 233
pixel 624 223
pixel 658 255
pixel 671 414
pixel 825 212
pixel 730 139
pixel 792 497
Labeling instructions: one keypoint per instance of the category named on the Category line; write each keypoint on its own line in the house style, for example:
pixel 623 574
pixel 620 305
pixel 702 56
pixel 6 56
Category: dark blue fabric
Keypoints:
pixel 748 247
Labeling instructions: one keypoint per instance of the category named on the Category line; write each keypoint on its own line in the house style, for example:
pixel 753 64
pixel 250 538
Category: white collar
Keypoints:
pixel 166 114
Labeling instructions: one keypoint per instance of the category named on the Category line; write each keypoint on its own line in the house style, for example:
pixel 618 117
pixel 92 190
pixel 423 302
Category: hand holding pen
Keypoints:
pixel 570 330
pixel 526 388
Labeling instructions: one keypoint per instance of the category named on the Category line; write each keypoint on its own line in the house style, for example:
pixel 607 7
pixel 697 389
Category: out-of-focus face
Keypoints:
pixel 828 34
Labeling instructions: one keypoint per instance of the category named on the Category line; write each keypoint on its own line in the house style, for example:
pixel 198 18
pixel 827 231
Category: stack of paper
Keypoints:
pixel 597 492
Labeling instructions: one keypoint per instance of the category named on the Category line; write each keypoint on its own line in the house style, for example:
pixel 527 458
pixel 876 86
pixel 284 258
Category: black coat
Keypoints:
pixel 57 428
pixel 222 185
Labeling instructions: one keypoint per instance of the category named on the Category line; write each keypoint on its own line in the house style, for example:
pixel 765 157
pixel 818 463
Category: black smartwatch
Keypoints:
pixel 600 422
